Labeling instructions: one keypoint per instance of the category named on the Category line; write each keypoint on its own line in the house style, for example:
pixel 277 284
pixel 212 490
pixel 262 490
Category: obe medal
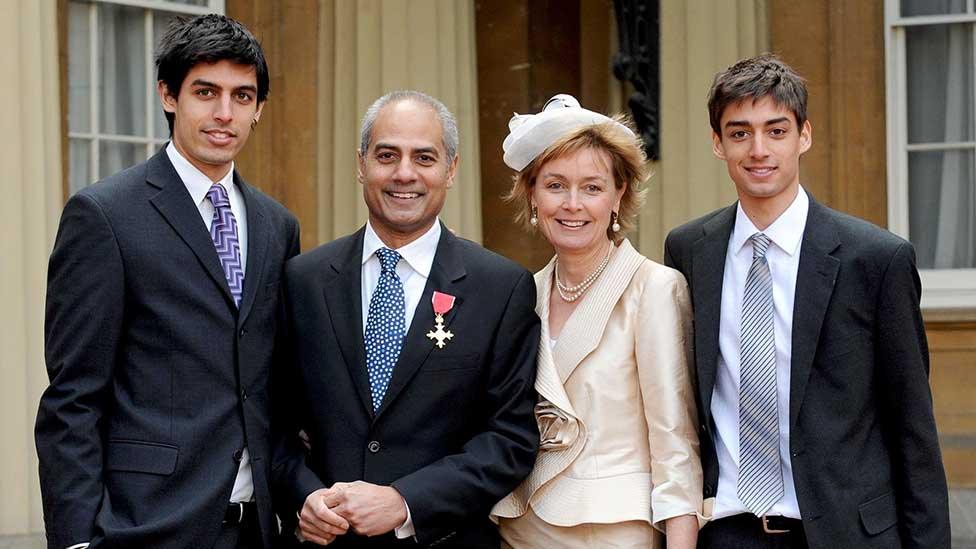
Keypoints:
pixel 442 304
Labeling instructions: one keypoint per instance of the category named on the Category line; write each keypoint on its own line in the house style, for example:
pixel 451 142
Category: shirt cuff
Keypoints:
pixel 406 530
pixel 79 545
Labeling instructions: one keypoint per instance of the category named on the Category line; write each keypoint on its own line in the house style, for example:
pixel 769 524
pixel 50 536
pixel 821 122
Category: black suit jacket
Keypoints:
pixel 157 381
pixel 456 430
pixel 863 443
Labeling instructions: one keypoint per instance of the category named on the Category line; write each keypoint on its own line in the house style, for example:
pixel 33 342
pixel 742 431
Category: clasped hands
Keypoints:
pixel 366 509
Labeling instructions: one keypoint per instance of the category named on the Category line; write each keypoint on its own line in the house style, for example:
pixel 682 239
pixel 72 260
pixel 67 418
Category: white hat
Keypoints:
pixel 531 134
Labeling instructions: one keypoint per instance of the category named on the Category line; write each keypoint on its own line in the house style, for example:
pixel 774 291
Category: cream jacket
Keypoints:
pixel 617 413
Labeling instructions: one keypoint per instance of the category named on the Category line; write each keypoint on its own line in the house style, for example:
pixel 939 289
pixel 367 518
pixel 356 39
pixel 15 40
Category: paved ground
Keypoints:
pixel 962 514
pixel 962 511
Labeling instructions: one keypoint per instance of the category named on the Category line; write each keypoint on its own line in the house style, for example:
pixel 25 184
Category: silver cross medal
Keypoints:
pixel 439 334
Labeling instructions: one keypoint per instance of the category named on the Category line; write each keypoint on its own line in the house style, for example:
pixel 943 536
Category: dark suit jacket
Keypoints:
pixel 456 430
pixel 863 443
pixel 157 381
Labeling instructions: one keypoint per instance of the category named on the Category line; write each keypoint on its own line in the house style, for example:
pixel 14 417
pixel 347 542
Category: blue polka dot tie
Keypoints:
pixel 385 326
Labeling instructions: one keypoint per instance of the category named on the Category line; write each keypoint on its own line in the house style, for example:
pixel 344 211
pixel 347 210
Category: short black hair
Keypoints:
pixel 207 39
pixel 765 75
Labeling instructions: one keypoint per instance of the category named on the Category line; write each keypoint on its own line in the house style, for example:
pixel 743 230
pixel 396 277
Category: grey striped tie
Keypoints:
pixel 760 482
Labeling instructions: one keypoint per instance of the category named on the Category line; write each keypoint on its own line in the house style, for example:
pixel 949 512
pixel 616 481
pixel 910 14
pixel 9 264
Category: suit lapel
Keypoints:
pixel 446 270
pixel 707 272
pixel 814 286
pixel 344 299
pixel 257 246
pixel 175 205
pixel 584 328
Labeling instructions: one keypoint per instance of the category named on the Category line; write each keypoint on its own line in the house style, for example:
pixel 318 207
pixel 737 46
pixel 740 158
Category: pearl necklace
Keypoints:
pixel 571 294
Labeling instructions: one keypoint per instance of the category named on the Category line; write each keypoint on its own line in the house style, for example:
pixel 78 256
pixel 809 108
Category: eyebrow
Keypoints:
pixel 746 123
pixel 421 150
pixel 209 84
pixel 561 176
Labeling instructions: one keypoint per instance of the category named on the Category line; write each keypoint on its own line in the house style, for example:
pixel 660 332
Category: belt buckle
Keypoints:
pixel 240 508
pixel 768 530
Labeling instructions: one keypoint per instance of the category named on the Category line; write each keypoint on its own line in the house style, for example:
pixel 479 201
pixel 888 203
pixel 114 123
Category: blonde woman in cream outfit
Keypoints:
pixel 618 462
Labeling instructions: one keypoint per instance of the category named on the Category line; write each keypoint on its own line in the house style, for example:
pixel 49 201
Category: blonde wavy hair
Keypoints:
pixel 628 165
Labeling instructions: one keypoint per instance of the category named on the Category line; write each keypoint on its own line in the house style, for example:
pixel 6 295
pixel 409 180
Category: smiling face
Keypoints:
pixel 405 172
pixel 213 113
pixel 761 145
pixel 575 195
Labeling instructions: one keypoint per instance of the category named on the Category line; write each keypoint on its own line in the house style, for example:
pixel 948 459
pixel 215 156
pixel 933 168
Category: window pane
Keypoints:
pixel 114 156
pixel 79 56
pixel 931 7
pixel 942 212
pixel 161 21
pixel 940 83
pixel 122 62
pixel 79 164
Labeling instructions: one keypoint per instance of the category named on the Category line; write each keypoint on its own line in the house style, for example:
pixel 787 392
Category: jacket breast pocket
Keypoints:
pixel 878 514
pixel 456 361
pixel 271 290
pixel 838 347
pixel 141 457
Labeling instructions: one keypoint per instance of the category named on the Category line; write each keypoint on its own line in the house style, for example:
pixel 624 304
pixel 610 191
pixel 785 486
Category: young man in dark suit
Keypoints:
pixel 161 323
pixel 414 358
pixel 812 363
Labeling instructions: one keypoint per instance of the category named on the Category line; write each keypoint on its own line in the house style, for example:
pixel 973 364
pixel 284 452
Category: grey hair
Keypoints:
pixel 448 122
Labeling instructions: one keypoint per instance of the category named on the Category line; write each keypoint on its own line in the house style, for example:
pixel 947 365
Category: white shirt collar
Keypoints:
pixel 197 183
pixel 785 232
pixel 419 254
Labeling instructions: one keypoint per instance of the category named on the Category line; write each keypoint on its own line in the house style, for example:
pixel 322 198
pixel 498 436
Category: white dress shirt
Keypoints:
pixel 413 270
pixel 198 185
pixel 783 256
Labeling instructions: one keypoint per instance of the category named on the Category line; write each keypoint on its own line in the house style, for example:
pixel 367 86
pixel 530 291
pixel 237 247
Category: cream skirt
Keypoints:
pixel 531 532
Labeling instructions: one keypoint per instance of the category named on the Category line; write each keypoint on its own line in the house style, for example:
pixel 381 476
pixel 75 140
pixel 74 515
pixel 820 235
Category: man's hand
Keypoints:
pixel 317 523
pixel 371 510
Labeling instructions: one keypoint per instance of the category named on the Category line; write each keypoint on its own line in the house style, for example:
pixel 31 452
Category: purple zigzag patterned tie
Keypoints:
pixel 223 231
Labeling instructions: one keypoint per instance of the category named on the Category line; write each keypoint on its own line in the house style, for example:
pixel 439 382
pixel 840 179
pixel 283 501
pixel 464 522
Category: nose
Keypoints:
pixel 572 202
pixel 223 111
pixel 758 148
pixel 405 172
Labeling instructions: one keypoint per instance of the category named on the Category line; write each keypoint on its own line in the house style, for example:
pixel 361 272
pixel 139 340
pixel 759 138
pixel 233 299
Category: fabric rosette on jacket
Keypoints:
pixel 557 430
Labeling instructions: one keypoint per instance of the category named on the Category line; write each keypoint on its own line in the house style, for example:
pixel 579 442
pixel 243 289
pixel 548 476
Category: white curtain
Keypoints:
pixel 120 88
pixel 942 184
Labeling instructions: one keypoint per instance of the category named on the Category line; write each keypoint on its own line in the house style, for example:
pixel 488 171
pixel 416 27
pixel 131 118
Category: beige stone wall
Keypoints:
pixel 30 153
pixel 371 47
pixel 698 39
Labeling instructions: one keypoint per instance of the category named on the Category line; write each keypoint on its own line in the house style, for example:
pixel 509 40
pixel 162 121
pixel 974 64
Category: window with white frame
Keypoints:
pixel 114 116
pixel 930 48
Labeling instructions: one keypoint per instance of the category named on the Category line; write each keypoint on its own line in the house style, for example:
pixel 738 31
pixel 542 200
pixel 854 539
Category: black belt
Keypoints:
pixel 239 513
pixel 767 524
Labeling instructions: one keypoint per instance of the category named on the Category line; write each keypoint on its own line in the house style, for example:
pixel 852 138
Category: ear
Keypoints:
pixel 167 99
pixel 452 170
pixel 717 148
pixel 806 137
pixel 360 167
pixel 257 113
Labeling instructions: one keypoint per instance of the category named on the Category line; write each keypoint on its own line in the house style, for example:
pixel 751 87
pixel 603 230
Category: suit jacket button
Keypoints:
pixel 243 395
pixel 238 455
pixel 373 446
pixel 243 332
